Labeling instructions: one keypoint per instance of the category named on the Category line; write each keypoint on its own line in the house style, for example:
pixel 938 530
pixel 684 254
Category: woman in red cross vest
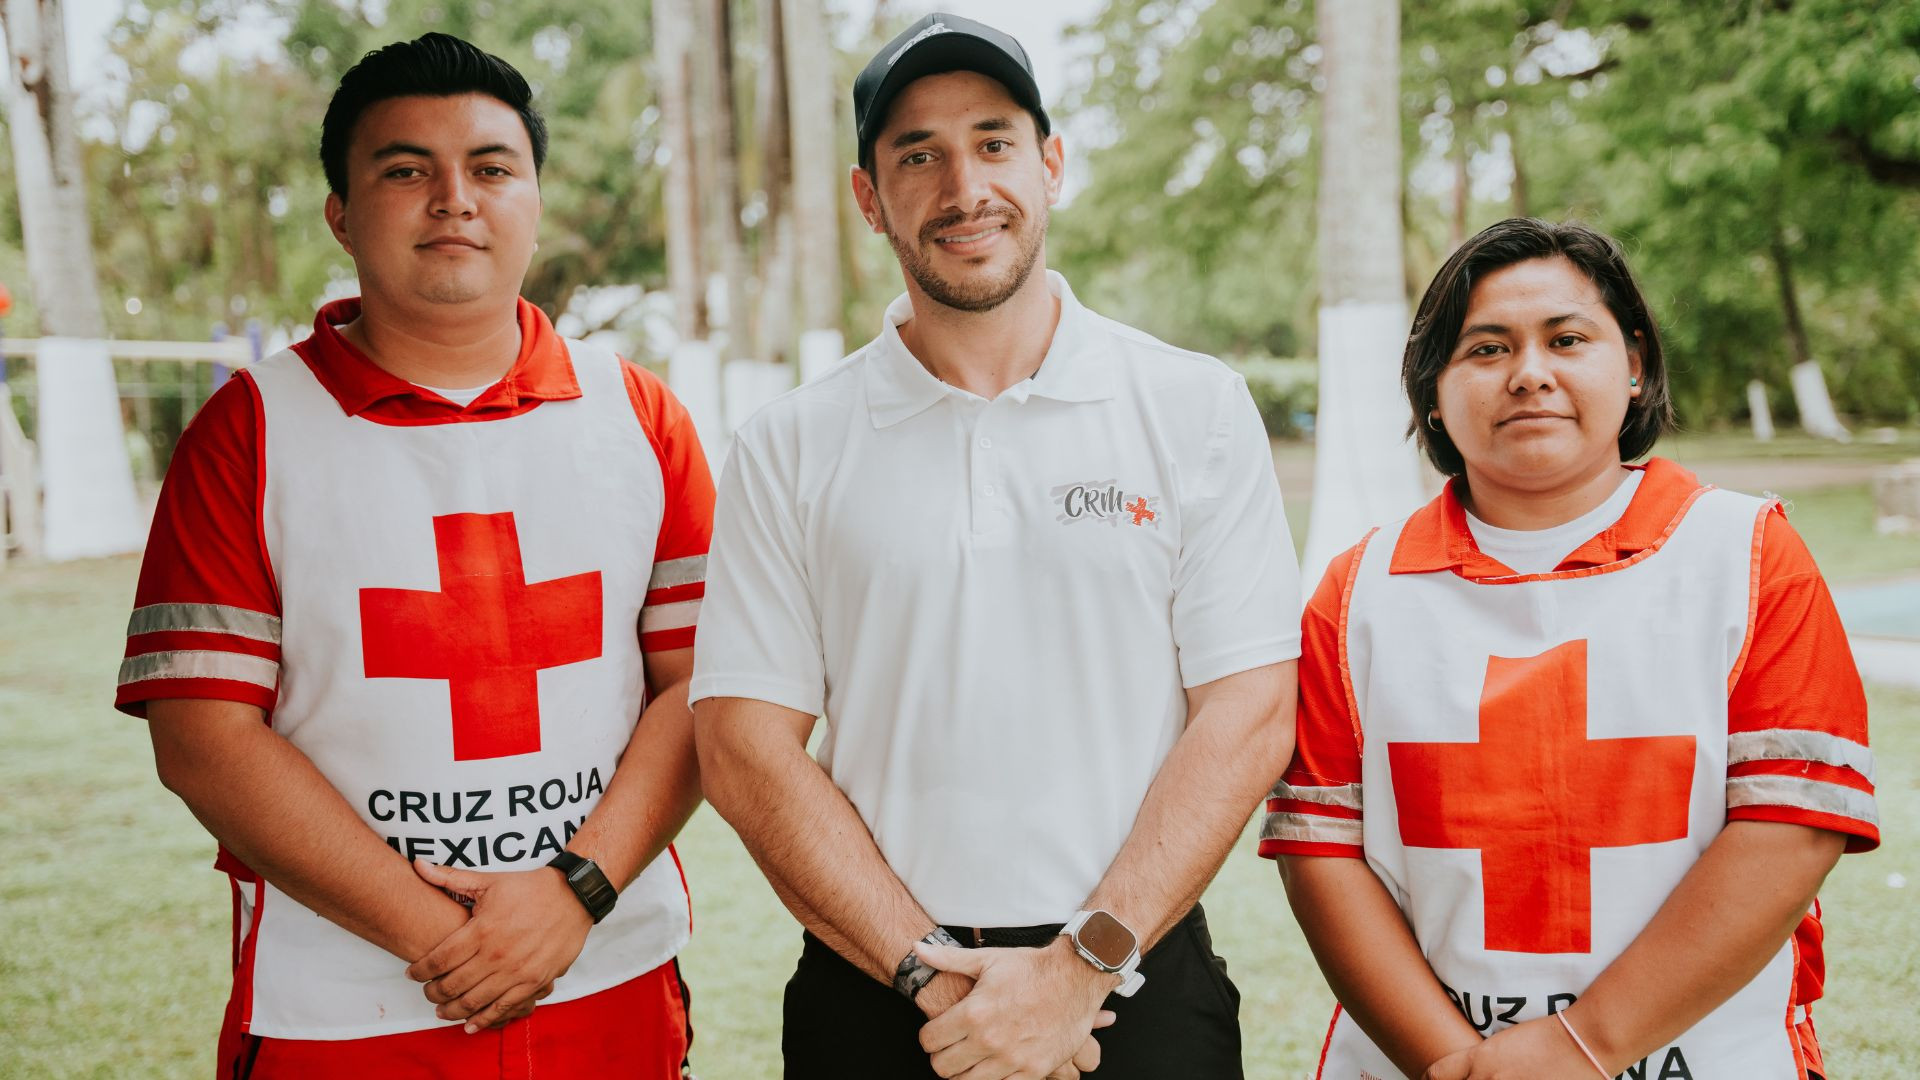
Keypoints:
pixel 1580 739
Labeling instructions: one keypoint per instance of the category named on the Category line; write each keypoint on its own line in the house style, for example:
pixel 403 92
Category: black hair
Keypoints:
pixel 431 65
pixel 1443 312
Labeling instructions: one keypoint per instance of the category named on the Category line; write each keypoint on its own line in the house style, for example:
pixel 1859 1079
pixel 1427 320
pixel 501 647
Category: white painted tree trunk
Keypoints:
pixel 819 169
pixel 91 507
pixel 1760 410
pixel 1366 470
pixel 1815 406
pixel 47 171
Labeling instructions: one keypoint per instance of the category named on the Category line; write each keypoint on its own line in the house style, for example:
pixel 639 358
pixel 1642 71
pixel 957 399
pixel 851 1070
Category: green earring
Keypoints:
pixel 1633 380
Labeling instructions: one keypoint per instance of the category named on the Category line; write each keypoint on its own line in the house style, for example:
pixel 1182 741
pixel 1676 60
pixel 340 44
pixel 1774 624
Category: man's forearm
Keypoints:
pixel 804 833
pixel 1238 738
pixel 1368 953
pixel 654 790
pixel 1723 923
pixel 268 804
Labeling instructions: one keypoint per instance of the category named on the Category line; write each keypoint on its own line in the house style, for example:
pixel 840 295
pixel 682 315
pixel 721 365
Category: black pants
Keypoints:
pixel 1184 1024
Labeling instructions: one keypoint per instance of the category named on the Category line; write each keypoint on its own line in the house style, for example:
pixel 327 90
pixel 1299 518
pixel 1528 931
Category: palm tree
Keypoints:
pixel 1366 471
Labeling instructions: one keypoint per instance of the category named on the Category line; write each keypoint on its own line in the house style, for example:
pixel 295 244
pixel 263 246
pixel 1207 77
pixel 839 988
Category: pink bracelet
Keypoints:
pixel 1582 1044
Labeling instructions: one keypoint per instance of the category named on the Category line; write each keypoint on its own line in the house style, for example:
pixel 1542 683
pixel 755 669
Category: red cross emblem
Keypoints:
pixel 487 632
pixel 1535 795
pixel 1138 508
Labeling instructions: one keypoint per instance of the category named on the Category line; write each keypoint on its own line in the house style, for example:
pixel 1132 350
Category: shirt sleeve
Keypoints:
pixel 671 611
pixel 1237 585
pixel 206 615
pixel 1797 713
pixel 761 635
pixel 1315 809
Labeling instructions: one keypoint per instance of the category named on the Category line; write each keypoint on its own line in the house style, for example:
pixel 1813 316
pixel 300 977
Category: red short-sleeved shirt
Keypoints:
pixel 206 619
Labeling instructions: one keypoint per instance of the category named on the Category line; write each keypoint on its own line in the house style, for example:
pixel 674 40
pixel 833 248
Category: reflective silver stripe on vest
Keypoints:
pixel 669 616
pixel 674 572
pixel 205 619
pixel 1790 744
pixel 1343 795
pixel 1803 794
pixel 200 664
pixel 1312 829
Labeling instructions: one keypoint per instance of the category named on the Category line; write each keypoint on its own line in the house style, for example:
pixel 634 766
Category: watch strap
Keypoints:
pixel 589 884
pixel 913 974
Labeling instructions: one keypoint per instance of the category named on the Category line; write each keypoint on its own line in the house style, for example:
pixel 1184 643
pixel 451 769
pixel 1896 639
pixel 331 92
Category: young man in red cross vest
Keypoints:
pixel 415 628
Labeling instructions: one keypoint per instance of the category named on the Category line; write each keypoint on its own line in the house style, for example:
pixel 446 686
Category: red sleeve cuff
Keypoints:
pixel 133 697
pixel 1273 849
pixel 1861 836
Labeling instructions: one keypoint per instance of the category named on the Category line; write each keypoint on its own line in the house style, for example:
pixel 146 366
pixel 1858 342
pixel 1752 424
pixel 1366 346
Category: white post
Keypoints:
pixel 819 350
pixel 751 384
pixel 693 374
pixel 91 506
pixel 1760 411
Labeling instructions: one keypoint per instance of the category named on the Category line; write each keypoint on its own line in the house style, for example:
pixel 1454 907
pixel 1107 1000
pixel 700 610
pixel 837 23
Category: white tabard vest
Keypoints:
pixel 460 658
pixel 1544 758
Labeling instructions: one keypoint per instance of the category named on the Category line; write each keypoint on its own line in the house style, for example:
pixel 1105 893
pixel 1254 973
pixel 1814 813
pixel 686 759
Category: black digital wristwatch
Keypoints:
pixel 596 893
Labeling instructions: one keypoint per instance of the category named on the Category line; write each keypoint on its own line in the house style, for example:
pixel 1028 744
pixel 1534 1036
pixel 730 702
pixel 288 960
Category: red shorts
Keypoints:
pixel 637 1029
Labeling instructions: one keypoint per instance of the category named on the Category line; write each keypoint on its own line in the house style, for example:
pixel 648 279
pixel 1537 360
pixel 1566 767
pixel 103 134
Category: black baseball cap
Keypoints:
pixel 936 44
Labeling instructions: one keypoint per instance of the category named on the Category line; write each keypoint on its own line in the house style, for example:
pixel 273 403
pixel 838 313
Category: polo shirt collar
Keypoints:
pixel 1437 537
pixel 541 372
pixel 899 386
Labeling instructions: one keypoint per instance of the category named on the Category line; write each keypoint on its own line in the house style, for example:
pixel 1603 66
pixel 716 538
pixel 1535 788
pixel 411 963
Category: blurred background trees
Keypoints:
pixel 1760 159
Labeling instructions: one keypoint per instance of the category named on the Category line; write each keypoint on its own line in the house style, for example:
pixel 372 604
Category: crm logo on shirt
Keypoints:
pixel 1104 501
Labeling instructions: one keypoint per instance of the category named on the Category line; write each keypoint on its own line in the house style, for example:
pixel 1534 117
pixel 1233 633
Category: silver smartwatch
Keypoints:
pixel 1106 943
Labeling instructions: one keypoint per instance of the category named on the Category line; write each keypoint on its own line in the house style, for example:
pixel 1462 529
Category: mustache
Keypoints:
pixel 937 226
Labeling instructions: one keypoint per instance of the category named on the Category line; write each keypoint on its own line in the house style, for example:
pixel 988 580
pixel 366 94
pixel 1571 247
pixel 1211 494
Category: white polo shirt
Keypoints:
pixel 996 605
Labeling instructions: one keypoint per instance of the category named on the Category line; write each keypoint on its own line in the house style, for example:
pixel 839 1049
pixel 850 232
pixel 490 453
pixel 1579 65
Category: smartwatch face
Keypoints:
pixel 1107 939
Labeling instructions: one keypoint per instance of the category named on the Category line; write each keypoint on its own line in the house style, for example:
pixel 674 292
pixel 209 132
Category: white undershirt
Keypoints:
pixel 1538 551
pixel 462 398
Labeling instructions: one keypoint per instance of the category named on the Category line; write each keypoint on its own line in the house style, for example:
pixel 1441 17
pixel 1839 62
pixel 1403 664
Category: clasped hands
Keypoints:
pixel 1537 1049
pixel 1013 1014
pixel 525 931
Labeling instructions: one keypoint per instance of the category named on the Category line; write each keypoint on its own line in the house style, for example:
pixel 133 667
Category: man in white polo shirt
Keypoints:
pixel 1031 566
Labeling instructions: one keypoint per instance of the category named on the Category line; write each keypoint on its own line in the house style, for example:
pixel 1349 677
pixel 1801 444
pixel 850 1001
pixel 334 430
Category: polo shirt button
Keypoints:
pixel 987 491
pixel 986 444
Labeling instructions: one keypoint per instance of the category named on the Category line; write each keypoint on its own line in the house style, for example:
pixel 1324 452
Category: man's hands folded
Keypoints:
pixel 526 930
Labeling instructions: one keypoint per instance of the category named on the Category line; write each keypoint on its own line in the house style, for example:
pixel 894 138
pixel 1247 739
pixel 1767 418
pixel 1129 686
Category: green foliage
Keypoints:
pixel 207 197
pixel 1285 391
pixel 1721 141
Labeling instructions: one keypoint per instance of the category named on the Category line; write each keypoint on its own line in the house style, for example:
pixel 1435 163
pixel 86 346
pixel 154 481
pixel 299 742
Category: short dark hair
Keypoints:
pixel 431 65
pixel 1443 312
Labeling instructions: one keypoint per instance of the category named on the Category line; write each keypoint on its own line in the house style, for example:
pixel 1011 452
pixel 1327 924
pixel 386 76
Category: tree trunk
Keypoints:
pixel 719 167
pixel 817 169
pixel 1520 202
pixel 85 477
pixel 1462 191
pixel 673 38
pixel 1810 397
pixel 1366 470
pixel 47 171
pixel 775 306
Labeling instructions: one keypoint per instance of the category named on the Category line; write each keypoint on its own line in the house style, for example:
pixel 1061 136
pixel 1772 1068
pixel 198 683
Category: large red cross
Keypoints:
pixel 487 632
pixel 1535 795
pixel 1138 508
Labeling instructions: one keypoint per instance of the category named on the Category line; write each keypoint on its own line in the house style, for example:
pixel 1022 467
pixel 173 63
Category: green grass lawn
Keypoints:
pixel 114 927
